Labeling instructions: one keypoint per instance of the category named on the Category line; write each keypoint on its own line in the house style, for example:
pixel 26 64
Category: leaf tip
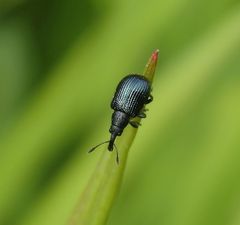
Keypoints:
pixel 155 55
pixel 151 65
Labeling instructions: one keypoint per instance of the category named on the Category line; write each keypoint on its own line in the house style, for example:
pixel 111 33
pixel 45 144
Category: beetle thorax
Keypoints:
pixel 119 122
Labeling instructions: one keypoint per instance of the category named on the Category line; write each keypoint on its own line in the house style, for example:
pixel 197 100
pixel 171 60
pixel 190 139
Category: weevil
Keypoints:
pixel 131 94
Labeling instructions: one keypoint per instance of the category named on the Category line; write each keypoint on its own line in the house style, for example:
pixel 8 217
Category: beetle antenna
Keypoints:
pixel 92 149
pixel 117 157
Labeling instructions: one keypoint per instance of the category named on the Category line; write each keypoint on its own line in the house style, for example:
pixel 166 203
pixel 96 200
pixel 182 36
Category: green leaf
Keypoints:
pixel 98 197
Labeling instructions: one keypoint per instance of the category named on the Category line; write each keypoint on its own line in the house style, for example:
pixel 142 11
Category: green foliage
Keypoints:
pixel 56 82
pixel 98 196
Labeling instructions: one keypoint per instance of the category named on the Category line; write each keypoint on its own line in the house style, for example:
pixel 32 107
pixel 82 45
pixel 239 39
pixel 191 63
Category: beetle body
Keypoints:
pixel 131 94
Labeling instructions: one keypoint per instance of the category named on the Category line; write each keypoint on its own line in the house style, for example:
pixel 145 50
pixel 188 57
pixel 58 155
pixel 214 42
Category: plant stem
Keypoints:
pixel 97 199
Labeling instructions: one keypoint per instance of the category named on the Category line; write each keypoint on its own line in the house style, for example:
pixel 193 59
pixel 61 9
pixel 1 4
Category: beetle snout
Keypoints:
pixel 115 130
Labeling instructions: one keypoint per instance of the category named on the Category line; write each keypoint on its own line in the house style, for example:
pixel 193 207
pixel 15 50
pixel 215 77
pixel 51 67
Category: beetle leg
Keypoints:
pixel 150 98
pixel 141 115
pixel 134 124
pixel 145 110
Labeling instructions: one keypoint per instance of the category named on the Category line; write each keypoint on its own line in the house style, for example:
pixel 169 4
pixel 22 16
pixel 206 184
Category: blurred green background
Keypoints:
pixel 60 62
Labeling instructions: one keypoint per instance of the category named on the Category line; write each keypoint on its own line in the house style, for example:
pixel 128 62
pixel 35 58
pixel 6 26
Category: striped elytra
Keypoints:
pixel 131 94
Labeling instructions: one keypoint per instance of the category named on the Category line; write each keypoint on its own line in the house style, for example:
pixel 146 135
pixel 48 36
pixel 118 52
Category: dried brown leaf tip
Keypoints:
pixel 151 65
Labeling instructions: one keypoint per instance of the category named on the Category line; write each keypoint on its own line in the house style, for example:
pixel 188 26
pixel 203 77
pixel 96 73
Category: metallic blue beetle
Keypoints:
pixel 132 93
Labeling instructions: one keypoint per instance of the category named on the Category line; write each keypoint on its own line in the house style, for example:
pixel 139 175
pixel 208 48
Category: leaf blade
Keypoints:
pixel 98 197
